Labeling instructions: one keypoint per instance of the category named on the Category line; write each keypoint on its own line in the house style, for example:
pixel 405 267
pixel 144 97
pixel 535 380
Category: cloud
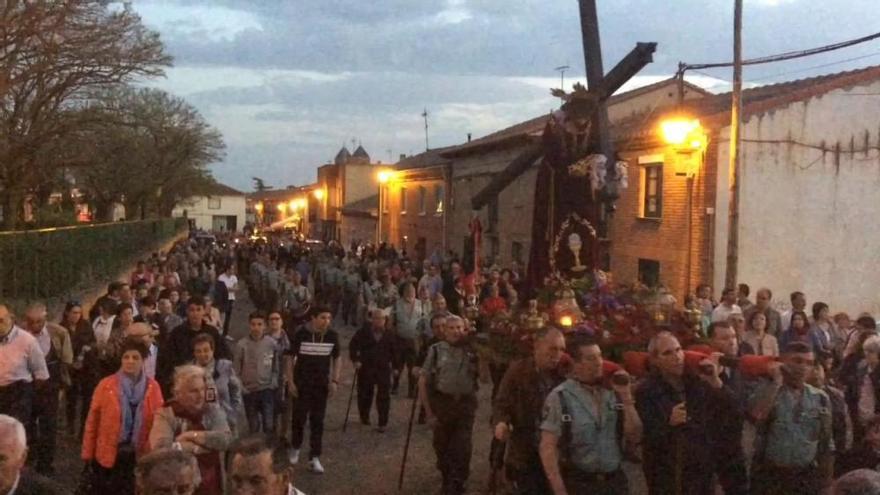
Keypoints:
pixel 287 82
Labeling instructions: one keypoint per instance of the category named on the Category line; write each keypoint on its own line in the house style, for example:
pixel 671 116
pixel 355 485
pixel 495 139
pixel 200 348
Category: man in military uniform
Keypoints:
pixel 448 387
pixel 794 452
pixel 517 410
pixel 586 427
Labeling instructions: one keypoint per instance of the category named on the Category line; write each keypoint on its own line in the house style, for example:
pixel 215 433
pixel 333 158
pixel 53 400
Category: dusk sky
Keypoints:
pixel 288 82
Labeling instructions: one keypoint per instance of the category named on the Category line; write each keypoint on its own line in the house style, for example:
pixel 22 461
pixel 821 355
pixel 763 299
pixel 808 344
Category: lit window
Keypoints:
pixel 423 200
pixel 403 201
pixel 438 198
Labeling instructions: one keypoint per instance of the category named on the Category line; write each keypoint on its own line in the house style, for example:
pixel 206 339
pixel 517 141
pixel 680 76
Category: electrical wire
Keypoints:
pixel 807 69
pixel 783 56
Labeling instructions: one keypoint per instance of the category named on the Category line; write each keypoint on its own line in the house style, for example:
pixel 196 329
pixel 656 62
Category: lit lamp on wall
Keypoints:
pixel 259 209
pixel 319 194
pixel 687 139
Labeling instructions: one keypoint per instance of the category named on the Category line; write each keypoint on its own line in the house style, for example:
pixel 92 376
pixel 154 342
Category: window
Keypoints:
pixel 438 199
pixel 403 201
pixel 384 199
pixel 516 251
pixel 213 203
pixel 649 272
pixel 652 190
pixel 423 200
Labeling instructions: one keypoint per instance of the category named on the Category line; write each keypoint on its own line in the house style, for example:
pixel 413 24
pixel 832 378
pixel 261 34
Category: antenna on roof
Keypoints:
pixel 425 116
pixel 561 69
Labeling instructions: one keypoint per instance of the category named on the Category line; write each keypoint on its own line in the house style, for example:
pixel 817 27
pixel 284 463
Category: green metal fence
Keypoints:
pixel 55 263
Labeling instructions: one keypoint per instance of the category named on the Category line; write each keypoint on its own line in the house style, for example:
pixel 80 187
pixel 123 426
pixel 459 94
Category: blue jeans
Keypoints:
pixel 259 407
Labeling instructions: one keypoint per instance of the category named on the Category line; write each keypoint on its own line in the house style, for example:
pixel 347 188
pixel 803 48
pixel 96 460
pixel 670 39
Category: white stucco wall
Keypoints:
pixel 197 209
pixel 809 219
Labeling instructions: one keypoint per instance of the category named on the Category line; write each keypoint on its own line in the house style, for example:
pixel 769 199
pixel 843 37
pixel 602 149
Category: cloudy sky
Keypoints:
pixel 288 82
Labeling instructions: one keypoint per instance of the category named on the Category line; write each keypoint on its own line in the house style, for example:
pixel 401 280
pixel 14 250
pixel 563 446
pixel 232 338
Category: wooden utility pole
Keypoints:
pixel 734 160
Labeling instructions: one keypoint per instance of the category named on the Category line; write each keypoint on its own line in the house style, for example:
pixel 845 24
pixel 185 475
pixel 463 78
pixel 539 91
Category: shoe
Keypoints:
pixel 315 466
pixel 293 456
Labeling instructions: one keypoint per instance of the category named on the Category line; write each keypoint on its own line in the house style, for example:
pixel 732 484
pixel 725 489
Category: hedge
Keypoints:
pixel 54 263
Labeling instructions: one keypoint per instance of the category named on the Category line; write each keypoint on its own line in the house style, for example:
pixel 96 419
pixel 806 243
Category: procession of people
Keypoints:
pixel 162 399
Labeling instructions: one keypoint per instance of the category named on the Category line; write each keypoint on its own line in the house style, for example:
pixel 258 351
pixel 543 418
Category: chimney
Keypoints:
pixel 469 137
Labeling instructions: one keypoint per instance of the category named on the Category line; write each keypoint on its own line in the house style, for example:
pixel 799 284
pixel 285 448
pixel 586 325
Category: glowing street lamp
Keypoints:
pixel 385 176
pixel 259 207
pixel 319 194
pixel 681 131
pixel 293 204
pixel 281 207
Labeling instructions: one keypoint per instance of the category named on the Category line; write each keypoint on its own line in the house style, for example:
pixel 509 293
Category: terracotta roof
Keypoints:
pixel 714 111
pixel 520 132
pixel 218 189
pixel 362 207
pixel 430 158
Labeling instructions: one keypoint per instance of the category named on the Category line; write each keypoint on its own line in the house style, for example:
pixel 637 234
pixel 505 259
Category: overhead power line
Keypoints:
pixel 783 56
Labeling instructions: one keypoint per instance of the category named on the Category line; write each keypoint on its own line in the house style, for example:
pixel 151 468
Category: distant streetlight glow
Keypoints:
pixel 258 207
pixel 293 204
pixel 319 194
pixel 281 206
pixel 384 176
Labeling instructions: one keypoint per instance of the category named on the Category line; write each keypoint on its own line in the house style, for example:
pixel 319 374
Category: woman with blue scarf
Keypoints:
pixel 119 423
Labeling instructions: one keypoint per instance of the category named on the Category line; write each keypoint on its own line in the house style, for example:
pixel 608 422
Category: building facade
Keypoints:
pixel 220 209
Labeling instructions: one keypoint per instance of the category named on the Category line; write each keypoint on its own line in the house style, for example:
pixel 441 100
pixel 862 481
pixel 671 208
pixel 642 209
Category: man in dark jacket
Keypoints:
pixel 374 354
pixel 178 346
pixel 678 411
pixel 517 410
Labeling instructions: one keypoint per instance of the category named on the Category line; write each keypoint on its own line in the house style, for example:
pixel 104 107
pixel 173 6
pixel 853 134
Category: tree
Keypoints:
pixel 54 54
pixel 148 150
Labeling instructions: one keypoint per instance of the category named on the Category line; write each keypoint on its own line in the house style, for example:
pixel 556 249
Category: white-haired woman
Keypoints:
pixel 190 423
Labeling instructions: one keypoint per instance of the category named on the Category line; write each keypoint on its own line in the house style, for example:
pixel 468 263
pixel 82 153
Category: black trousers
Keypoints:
pixel 228 316
pixel 453 438
pixel 496 372
pixel 118 480
pixel 530 480
pixel 370 382
pixel 349 308
pixel 732 474
pixel 16 400
pixel 43 429
pixel 409 356
pixel 311 406
pixel 772 480
pixel 596 484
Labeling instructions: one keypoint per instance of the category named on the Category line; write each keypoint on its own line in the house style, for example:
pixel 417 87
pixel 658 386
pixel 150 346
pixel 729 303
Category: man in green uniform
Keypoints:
pixel 448 387
pixel 794 449
pixel 587 427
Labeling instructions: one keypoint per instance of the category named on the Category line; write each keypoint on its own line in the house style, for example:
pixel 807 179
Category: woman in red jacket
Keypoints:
pixel 119 422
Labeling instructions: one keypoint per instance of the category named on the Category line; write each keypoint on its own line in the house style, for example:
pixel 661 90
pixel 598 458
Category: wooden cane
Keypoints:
pixel 412 415
pixel 350 397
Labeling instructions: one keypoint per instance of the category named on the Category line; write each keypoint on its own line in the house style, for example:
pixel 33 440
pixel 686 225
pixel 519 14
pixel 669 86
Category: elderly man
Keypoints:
pixel 54 342
pixel 21 364
pixel 259 467
pixel 14 478
pixel 167 471
pixel 517 410
pixel 376 358
pixel 858 482
pixel 679 411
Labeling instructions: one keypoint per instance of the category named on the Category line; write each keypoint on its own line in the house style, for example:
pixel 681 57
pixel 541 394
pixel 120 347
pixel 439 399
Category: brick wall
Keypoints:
pixel 405 229
pixel 665 239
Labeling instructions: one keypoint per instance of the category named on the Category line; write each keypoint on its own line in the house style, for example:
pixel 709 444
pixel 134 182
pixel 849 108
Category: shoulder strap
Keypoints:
pixel 564 443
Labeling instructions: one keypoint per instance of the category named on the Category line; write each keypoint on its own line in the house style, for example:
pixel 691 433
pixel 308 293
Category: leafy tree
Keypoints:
pixel 147 149
pixel 54 54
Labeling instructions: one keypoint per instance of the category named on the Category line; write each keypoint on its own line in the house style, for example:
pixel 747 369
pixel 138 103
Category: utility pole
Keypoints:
pixel 735 141
pixel 425 116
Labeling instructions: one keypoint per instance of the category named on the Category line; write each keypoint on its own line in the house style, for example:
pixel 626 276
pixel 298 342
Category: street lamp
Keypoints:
pixel 319 194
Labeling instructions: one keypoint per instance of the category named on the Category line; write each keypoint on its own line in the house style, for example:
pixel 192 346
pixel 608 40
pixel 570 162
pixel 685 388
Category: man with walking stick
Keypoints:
pixel 447 388
pixel 374 354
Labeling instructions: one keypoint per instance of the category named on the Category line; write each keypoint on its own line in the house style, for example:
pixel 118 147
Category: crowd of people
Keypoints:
pixel 164 400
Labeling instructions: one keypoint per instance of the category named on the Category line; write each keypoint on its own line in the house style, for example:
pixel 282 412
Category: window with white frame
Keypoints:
pixel 213 203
